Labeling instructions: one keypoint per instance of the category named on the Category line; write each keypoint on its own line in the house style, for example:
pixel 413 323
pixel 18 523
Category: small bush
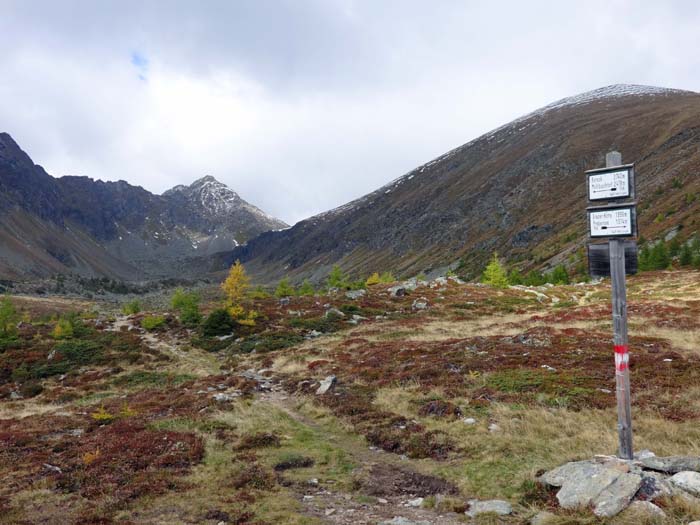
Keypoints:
pixel 219 322
pixel 495 274
pixel 387 277
pixel 62 330
pixel 373 279
pixel 306 288
pixel 515 277
pixel 101 415
pixel 558 276
pixel 337 279
pixel 132 307
pixel 152 322
pixel 284 289
pixel 187 304
pixel 190 316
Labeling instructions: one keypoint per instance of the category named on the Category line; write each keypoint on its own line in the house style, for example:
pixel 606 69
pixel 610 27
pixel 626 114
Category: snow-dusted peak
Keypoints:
pixel 215 199
pixel 613 91
pixel 516 126
pixel 207 180
pixel 211 195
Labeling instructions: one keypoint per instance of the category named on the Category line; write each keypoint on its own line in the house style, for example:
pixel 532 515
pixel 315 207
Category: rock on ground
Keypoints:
pixel 585 485
pixel 646 508
pixel 616 497
pixel 496 506
pixel 326 385
pixel 355 294
pixel 672 464
pixel 609 484
pixel 334 312
pixel 397 291
pixel 420 304
pixel 688 481
pixel 655 485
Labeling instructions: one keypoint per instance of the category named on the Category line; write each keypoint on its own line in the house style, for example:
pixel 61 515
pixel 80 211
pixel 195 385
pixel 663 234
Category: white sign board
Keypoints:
pixel 616 222
pixel 609 185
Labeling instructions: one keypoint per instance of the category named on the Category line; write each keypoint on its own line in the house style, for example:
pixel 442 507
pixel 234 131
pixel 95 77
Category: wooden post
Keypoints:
pixel 619 314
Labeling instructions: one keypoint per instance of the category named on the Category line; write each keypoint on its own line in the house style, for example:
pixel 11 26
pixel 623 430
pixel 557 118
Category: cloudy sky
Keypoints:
pixel 303 105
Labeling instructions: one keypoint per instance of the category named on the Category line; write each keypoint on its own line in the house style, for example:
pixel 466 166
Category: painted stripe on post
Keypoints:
pixel 622 358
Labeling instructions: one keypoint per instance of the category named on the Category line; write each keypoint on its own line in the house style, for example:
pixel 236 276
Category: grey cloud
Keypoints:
pixel 303 105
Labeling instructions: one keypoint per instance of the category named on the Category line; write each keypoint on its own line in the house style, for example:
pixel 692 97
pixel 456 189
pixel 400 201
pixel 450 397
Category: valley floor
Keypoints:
pixel 450 393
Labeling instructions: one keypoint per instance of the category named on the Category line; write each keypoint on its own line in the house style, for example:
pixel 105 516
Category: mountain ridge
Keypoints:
pixel 471 196
pixel 129 232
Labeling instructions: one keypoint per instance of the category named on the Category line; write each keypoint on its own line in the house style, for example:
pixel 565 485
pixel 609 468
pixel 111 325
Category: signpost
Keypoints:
pixel 616 222
pixel 611 183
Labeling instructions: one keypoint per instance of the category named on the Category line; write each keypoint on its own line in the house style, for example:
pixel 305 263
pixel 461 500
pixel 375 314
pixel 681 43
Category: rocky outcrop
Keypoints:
pixel 609 485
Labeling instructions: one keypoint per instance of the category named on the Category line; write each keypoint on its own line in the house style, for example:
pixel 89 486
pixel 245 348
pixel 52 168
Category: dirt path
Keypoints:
pixel 393 489
pixel 192 360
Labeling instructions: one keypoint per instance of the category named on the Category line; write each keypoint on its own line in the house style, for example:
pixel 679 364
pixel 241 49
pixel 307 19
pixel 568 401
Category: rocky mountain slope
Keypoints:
pixel 519 189
pixel 80 225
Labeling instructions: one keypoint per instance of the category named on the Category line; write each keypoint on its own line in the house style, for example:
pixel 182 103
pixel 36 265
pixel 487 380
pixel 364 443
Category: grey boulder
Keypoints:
pixel 616 497
pixel 495 506
pixel 397 291
pixel 672 464
pixel 689 481
pixel 355 294
pixel 326 385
